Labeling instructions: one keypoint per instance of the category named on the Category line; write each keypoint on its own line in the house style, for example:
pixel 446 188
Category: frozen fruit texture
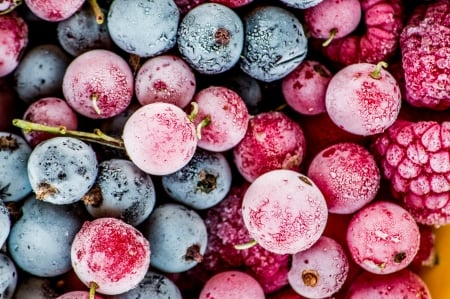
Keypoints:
pixel 427 255
pixel 272 141
pixel 78 295
pixel 226 229
pixel 402 284
pixel 54 10
pixel 13 40
pixel 382 237
pixel 347 175
pixel 383 21
pixel 110 253
pixel 305 87
pixel 415 157
pixel 425 48
pixel 363 98
pixel 230 285
pixel 284 211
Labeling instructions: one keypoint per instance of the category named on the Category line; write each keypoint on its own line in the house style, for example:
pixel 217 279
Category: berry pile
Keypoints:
pixel 223 148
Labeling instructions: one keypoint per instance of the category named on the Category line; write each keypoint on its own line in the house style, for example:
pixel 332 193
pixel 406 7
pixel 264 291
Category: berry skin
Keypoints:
pixel 13 40
pixel 319 271
pixel 228 118
pixel 62 169
pixel 348 176
pixel 53 10
pixel 8 277
pixel 383 238
pixel 402 284
pixel 112 254
pixel 210 38
pixel 424 44
pixel 165 78
pixel 272 141
pixel 153 30
pixel 305 87
pixel 160 138
pixel 363 99
pixel 78 295
pixel 14 154
pixel 230 285
pixel 414 157
pixel 226 229
pixel 5 223
pixel 284 211
pixel 274 43
pixel 98 84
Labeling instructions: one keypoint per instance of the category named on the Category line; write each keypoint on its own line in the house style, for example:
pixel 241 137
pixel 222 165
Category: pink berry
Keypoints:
pixel 78 295
pixel 110 253
pixel 159 138
pixel 165 78
pixel 272 141
pixel 284 211
pixel 226 229
pixel 233 3
pixel 228 118
pixel 231 285
pixel 98 84
pixel 49 111
pixel 383 237
pixel 402 284
pixel 333 18
pixel 13 40
pixel 348 176
pixel 304 88
pixel 378 41
pixel 320 270
pixel 424 44
pixel 414 157
pixel 54 10
pixel 363 99
pixel 427 255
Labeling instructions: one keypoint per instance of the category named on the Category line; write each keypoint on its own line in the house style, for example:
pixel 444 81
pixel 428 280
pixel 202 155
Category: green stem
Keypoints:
pixel 92 288
pixel 14 4
pixel 247 245
pixel 99 16
pixel 376 73
pixel 206 121
pixel 97 136
pixel 194 111
pixel 330 38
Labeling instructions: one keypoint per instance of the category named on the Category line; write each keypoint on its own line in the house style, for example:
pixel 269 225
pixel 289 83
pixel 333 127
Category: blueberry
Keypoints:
pixel 210 38
pixel 275 43
pixel 14 154
pixel 8 277
pixel 145 28
pixel 202 183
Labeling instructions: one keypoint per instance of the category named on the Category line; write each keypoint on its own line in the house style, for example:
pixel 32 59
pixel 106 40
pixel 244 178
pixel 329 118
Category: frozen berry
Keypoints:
pixel 230 285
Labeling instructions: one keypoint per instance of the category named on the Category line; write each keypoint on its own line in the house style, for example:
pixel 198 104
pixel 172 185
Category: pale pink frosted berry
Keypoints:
pixel 415 158
pixel 348 176
pixel 226 115
pixel 424 44
pixel 284 211
pixel 54 10
pixel 401 284
pixel 272 141
pixel 231 285
pixel 78 295
pixel 13 40
pixel 304 88
pixel 110 253
pixel 165 78
pixel 383 238
pixel 363 99
pixel 320 270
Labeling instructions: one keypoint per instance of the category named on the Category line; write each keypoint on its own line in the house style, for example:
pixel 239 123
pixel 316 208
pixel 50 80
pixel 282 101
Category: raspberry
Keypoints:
pixel 226 229
pixel 415 157
pixel 425 47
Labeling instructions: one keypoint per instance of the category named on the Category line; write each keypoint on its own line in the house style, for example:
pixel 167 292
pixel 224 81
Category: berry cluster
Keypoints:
pixel 223 148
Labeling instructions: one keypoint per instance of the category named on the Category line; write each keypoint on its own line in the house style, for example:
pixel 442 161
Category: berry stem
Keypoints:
pixel 377 71
pixel 206 121
pixel 97 136
pixel 99 16
pixel 247 245
pixel 94 99
pixel 194 111
pixel 12 5
pixel 92 288
pixel 330 38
